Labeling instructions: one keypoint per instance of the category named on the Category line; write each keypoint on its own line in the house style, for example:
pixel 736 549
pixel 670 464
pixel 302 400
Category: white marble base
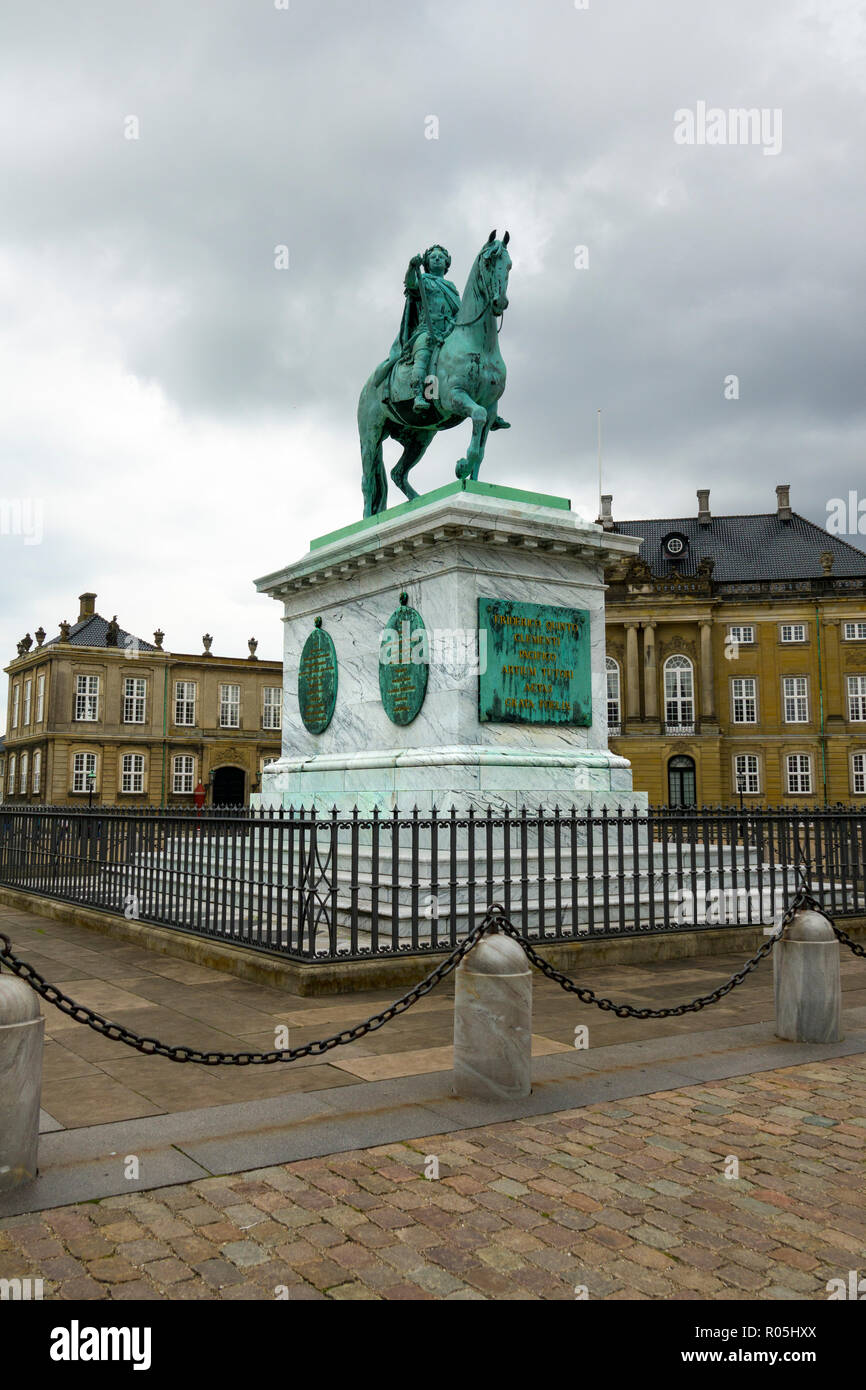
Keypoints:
pixel 461 776
pixel 446 555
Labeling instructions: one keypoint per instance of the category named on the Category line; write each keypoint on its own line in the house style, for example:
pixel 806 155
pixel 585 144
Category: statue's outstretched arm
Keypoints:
pixel 410 279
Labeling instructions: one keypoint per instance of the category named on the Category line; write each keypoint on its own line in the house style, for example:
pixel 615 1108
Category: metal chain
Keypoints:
pixel 152 1046
pixel 588 996
pixel 493 920
pixel 804 899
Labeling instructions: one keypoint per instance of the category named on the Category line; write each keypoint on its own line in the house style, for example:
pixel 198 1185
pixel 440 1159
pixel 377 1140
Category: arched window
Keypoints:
pixel 679 695
pixel 25 764
pixel 614 711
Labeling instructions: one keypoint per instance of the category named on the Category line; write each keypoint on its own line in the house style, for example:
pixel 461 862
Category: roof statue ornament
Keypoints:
pixel 112 633
pixel 444 367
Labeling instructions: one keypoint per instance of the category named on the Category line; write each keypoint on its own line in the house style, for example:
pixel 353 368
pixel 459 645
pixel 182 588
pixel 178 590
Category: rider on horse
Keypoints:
pixel 432 305
pixel 430 312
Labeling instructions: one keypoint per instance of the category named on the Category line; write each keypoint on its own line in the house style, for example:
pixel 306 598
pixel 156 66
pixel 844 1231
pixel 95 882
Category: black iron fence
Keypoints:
pixel 323 887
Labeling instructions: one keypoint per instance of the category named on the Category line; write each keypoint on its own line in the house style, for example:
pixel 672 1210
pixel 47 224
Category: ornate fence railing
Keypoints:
pixel 320 887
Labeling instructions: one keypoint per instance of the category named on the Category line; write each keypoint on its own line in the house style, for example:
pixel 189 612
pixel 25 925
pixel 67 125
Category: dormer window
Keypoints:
pixel 675 545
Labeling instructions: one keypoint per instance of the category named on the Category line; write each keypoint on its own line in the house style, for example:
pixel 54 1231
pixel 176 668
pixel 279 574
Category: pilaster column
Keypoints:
pixel 632 678
pixel 708 687
pixel 650 672
pixel 831 677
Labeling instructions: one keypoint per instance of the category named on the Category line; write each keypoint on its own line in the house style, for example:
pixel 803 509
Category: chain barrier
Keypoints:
pixel 493 920
pixel 153 1047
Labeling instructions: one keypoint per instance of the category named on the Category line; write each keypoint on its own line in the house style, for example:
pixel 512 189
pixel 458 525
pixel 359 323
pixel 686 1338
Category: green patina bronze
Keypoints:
pixel 404 663
pixel 537 668
pixel 444 367
pixel 317 680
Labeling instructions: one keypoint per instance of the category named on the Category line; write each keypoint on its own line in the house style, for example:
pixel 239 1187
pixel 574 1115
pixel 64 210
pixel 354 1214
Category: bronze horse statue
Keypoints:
pixel 469 379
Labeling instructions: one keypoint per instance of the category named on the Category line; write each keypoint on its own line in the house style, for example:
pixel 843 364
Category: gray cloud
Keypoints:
pixel 187 411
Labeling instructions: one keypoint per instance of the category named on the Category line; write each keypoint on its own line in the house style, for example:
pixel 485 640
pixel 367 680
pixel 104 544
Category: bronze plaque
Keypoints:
pixel 537 669
pixel 317 680
pixel 404 664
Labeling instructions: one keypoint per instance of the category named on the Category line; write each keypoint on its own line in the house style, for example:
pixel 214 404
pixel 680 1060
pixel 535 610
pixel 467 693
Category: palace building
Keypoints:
pixel 736 659
pixel 96 713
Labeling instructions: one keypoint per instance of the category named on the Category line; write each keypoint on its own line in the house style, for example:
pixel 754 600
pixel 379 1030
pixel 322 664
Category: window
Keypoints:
pixel 132 772
pixel 28 685
pixel 796 699
pixel 83 772
pixel 25 763
pixel 230 706
pixel 679 694
pixel 682 783
pixel 134 690
pixel 184 702
pixel 37 771
pixel 40 699
pixel 16 701
pixel 12 775
pixel 792 632
pixel 183 774
pixel 675 546
pixel 741 634
pixel 614 717
pixel 273 708
pixel 86 697
pixel 747 775
pixel 799 767
pixel 858 772
pixel 855 632
pixel 857 698
pixel 744 700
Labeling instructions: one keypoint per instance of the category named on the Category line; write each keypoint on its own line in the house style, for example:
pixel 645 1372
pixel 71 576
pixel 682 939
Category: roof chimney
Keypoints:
pixel 783 502
pixel 606 517
pixel 88 606
pixel 704 515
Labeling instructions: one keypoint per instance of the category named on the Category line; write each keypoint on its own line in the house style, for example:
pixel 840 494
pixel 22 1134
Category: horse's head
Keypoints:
pixel 494 264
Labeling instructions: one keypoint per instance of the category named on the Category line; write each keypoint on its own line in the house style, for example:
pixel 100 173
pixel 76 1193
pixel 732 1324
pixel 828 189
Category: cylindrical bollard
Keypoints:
pixel 493 1021
pixel 806 980
pixel 21 1030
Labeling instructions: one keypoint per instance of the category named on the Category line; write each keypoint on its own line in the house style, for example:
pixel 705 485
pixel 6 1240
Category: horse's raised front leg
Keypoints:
pixel 463 404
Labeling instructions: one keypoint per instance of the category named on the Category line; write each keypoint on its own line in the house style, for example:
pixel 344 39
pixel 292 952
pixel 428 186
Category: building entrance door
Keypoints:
pixel 682 783
pixel 228 786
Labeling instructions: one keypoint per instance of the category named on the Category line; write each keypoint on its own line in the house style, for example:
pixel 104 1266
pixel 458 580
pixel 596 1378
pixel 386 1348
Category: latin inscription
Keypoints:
pixel 538 668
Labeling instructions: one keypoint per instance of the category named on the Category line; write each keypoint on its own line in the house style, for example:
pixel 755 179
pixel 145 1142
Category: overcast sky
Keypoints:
pixel 182 414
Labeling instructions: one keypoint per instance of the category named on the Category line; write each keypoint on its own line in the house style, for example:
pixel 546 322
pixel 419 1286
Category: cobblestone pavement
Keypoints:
pixel 629 1200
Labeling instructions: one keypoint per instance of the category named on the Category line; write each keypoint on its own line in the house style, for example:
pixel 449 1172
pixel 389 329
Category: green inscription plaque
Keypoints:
pixel 317 680
pixel 404 663
pixel 537 668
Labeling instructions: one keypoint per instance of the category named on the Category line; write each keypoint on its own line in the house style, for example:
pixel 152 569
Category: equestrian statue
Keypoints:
pixel 444 366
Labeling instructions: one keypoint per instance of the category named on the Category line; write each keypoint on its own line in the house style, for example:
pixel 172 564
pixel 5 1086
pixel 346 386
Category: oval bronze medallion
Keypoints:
pixel 404 663
pixel 317 680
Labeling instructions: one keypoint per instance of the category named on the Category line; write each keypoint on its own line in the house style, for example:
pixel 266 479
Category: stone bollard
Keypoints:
pixel 21 1030
pixel 806 980
pixel 493 1021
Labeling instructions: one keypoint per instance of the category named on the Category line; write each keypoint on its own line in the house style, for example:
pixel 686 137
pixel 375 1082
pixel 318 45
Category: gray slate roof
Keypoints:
pixel 90 632
pixel 747 547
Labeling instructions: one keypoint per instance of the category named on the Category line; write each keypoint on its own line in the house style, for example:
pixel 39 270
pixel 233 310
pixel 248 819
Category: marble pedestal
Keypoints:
pixel 445 550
